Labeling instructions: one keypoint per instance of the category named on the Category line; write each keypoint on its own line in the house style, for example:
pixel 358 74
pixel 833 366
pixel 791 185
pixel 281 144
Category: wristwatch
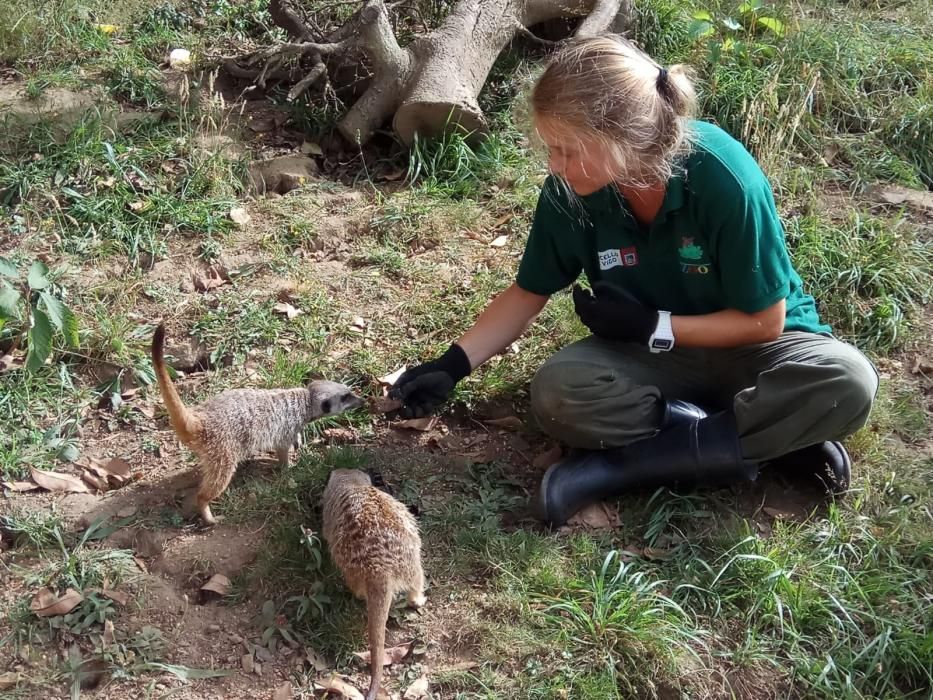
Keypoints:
pixel 662 339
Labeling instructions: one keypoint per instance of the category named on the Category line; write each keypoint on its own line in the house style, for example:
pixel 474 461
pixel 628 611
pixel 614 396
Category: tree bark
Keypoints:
pixel 431 86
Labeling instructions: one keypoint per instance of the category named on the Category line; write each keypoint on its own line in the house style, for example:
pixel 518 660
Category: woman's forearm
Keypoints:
pixel 502 322
pixel 729 328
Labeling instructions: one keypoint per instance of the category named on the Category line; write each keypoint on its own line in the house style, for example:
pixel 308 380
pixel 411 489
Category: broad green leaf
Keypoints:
pixel 750 6
pixel 728 44
pixel 699 29
pixel 61 317
pixel 703 14
pixel 69 453
pixel 7 268
pixel 9 301
pixel 730 23
pixel 37 275
pixel 775 25
pixel 40 340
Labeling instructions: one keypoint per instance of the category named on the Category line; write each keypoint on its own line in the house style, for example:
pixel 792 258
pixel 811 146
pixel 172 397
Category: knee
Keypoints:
pixel 854 386
pixel 549 393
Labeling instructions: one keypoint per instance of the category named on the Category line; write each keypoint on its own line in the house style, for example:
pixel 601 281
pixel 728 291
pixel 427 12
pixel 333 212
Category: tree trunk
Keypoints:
pixel 431 85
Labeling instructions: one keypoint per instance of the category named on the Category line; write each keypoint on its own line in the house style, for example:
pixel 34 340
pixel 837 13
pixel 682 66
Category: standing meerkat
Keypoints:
pixel 240 423
pixel 374 541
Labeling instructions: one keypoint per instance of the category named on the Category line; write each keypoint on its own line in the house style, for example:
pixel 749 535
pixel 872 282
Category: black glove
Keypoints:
pixel 425 387
pixel 613 314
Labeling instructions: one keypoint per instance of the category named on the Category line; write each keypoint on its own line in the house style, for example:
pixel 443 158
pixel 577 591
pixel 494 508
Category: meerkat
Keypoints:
pixel 241 423
pixel 374 541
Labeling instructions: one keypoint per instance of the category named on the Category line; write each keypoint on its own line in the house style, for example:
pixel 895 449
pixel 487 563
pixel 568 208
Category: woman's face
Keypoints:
pixel 583 163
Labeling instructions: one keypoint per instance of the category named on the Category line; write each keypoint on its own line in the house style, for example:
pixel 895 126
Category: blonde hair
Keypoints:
pixel 605 90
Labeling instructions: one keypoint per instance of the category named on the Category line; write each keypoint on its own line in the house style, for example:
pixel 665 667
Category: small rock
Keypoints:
pixel 282 692
pixel 246 661
pixel 180 59
pixel 282 174
pixel 239 216
pixel 257 669
pixel 213 628
pixel 235 638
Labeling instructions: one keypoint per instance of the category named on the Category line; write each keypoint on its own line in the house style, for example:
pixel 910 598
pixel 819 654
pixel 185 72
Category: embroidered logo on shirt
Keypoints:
pixel 618 257
pixel 691 257
pixel 689 249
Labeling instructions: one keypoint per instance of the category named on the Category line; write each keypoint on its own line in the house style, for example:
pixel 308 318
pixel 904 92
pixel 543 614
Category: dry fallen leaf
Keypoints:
pixel 208 279
pixel 778 514
pixel 9 362
pixel 137 206
pixel 358 322
pixel 502 220
pixel 217 584
pixel 114 471
pixel 334 684
pixel 596 516
pixel 392 377
pixel 509 422
pixel 96 482
pixel 393 655
pixel 656 553
pixel 499 241
pixel 287 310
pixel 422 424
pixel 384 405
pixel 892 194
pixel 417 690
pixel 118 597
pixel 547 458
pixel 309 148
pixel 47 604
pixel 53 481
pixel 922 365
pixel 8 680
pixel 108 634
pixel 318 662
pixel 20 485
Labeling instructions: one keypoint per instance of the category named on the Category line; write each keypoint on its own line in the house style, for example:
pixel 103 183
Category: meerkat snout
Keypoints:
pixel 332 398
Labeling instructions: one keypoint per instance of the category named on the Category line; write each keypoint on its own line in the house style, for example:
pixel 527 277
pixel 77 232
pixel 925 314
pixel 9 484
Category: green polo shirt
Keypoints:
pixel 717 242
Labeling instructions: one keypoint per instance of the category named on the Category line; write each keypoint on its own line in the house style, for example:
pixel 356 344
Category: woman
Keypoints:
pixel 694 299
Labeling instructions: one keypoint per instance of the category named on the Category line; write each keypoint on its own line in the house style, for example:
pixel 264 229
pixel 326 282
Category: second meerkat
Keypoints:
pixel 240 423
pixel 374 541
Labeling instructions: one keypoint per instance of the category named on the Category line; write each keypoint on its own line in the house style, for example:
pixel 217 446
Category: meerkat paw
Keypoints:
pixel 207 517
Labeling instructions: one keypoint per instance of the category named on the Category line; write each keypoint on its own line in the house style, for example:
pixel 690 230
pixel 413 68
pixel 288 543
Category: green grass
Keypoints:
pixel 870 276
pixel 831 607
pixel 118 194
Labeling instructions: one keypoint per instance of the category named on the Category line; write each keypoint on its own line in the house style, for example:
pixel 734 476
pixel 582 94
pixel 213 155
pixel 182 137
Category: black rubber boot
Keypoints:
pixel 688 452
pixel 828 460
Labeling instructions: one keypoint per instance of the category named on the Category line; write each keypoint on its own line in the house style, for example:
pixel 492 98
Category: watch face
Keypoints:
pixel 662 343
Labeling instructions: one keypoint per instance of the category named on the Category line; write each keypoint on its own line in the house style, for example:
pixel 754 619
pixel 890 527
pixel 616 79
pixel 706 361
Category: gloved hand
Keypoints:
pixel 613 314
pixel 425 387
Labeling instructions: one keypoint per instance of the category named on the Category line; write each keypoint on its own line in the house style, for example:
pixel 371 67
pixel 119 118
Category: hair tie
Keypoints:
pixel 662 78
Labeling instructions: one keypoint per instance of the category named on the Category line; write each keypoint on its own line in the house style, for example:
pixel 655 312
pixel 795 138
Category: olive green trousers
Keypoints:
pixel 796 391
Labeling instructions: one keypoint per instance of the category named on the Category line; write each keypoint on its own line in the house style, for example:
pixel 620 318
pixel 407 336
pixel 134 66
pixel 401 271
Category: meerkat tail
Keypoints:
pixel 378 601
pixel 186 425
